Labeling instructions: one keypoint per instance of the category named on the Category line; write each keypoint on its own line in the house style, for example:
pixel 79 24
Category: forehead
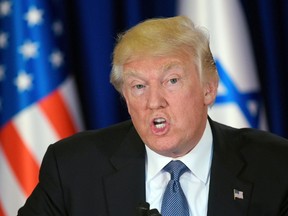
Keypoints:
pixel 152 64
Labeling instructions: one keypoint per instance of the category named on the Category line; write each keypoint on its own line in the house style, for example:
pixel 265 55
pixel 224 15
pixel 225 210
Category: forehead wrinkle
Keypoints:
pixel 164 68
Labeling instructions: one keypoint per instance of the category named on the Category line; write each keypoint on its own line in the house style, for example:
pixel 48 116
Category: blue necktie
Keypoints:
pixel 174 201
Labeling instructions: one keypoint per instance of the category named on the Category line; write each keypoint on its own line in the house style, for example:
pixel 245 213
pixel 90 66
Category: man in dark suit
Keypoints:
pixel 165 71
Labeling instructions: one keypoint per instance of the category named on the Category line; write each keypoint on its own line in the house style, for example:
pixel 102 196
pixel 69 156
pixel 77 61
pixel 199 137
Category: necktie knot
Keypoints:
pixel 176 169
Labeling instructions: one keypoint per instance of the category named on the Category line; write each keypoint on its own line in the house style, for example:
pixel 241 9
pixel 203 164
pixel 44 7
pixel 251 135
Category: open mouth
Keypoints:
pixel 159 123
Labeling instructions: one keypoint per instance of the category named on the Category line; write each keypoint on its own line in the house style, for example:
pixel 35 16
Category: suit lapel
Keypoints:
pixel 126 187
pixel 229 194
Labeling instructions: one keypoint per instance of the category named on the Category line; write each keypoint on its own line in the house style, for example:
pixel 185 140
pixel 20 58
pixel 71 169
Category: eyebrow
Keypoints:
pixel 164 68
pixel 173 64
pixel 131 73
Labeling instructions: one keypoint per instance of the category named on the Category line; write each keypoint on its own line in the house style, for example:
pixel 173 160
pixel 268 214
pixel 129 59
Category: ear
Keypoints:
pixel 210 92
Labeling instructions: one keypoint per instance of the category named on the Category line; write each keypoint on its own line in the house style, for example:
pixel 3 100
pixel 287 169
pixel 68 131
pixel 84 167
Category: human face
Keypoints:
pixel 167 102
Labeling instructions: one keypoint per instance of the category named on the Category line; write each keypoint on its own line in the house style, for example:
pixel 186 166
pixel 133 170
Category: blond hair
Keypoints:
pixel 163 37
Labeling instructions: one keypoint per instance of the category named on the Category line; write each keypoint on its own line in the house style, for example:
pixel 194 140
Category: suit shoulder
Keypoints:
pixel 105 138
pixel 263 152
pixel 263 138
pixel 107 132
pixel 248 135
pixel 252 142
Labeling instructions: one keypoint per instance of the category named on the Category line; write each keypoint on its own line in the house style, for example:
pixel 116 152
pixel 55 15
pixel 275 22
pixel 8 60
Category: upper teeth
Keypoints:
pixel 159 122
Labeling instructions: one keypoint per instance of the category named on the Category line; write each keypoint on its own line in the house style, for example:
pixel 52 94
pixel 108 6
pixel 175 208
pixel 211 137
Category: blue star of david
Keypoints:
pixel 241 99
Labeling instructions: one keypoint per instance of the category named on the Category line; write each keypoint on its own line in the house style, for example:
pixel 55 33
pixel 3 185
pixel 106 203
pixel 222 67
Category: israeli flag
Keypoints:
pixel 238 102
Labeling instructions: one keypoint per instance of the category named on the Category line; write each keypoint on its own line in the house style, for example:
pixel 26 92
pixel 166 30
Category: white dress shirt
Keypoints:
pixel 194 183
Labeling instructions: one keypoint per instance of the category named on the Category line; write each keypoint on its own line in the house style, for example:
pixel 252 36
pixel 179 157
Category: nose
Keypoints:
pixel 156 98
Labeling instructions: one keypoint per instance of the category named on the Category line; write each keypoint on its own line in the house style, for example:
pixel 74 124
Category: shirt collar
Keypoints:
pixel 198 160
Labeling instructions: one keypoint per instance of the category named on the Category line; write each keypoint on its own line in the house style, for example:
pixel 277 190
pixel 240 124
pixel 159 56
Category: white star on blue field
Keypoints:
pixel 242 99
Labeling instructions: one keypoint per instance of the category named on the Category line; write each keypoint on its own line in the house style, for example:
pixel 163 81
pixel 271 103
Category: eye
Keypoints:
pixel 139 86
pixel 173 80
pixel 138 89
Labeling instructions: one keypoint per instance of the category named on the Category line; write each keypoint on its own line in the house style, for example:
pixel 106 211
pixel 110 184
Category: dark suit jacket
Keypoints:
pixel 102 173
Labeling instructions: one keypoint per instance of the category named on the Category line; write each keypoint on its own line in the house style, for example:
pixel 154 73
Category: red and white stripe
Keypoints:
pixel 24 140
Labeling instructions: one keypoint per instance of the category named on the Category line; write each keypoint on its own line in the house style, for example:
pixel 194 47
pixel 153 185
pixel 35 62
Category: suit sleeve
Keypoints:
pixel 47 197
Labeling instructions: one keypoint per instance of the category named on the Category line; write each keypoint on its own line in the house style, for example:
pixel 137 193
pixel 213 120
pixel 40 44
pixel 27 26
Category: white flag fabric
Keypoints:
pixel 238 102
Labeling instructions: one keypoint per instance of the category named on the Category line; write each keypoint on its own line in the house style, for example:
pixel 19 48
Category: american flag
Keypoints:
pixel 238 194
pixel 38 102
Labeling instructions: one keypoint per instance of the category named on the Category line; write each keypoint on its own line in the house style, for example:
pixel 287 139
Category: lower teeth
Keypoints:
pixel 160 126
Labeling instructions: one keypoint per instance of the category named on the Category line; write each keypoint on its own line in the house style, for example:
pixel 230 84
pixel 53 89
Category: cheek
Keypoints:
pixel 134 106
pixel 189 104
